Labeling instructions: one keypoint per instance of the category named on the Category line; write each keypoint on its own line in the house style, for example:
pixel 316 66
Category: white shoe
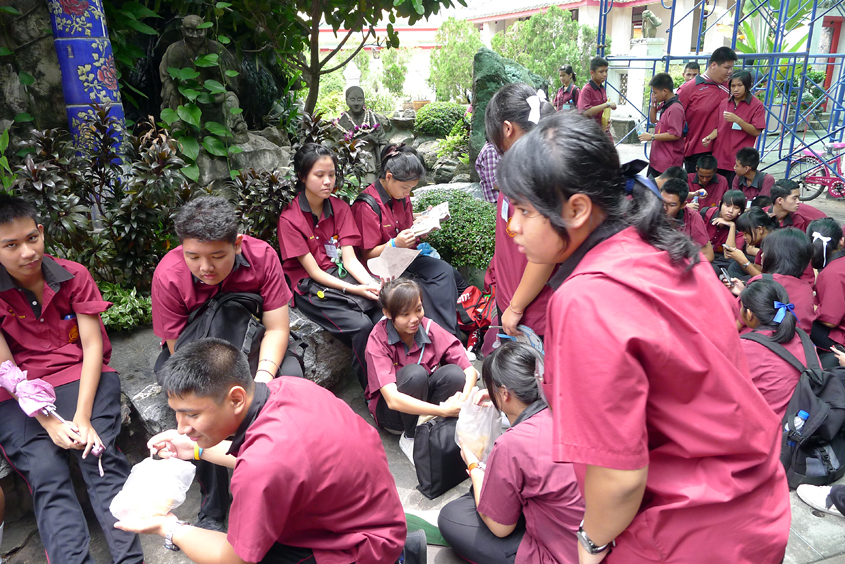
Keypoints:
pixel 406 445
pixel 818 497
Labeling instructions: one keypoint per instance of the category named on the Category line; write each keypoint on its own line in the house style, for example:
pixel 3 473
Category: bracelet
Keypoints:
pixel 747 263
pixel 392 243
pixel 343 289
pixel 265 370
pixel 197 452
pixel 472 467
pixel 510 307
pixel 270 361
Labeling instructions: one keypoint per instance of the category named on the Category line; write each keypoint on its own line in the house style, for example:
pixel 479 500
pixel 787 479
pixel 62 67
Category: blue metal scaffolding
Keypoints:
pixel 803 117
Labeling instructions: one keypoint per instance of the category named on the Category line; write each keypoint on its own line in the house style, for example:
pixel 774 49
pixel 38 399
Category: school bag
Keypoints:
pixel 370 201
pixel 476 311
pixel 815 454
pixel 437 457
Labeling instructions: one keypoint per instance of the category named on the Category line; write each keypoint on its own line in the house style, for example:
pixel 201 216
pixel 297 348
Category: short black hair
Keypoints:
pixel 748 156
pixel 209 218
pixel 403 162
pixel 399 295
pixel 783 188
pixel 306 157
pixel 512 366
pixel 674 172
pixel 15 207
pixel 753 218
pixel 206 368
pixel 734 198
pixel 787 251
pixel 722 55
pixel 761 201
pixel 707 162
pixel 678 187
pixel 598 62
pixel 692 65
pixel 743 76
pixel 662 81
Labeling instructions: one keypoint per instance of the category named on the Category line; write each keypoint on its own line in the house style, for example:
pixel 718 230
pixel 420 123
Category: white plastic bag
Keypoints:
pixel 478 427
pixel 154 487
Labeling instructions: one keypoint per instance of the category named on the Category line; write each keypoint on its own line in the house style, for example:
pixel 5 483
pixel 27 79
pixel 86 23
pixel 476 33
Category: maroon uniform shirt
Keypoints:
pixel 313 474
pixel 800 293
pixel 639 374
pixel 593 95
pixel 522 479
pixel 298 235
pixel 665 154
pixel 567 96
pixel 731 138
pixel 830 297
pixel 701 99
pixel 691 224
pixel 386 354
pixel 176 292
pixel 396 216
pixel 760 186
pixel 718 234
pixel 801 218
pixel 44 340
pixel 715 189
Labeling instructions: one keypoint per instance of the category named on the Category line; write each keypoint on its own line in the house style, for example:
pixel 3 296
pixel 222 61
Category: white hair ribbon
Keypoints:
pixel 534 102
pixel 825 241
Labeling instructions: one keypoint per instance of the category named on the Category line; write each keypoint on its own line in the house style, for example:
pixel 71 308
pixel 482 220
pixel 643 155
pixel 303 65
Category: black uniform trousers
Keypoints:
pixel 45 467
pixel 415 381
pixel 439 290
pixel 470 537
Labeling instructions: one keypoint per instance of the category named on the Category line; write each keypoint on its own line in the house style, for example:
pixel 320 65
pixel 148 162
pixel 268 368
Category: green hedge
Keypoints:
pixel 468 238
pixel 438 118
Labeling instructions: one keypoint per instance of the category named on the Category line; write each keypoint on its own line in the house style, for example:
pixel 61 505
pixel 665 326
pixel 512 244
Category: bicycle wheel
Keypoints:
pixel 802 168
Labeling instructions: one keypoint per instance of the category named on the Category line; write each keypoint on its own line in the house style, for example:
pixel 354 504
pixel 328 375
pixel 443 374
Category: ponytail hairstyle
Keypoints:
pixel 399 296
pixel 819 230
pixel 753 218
pixel 759 298
pixel 403 162
pixel 510 103
pixel 305 159
pixel 512 366
pixel 568 154
pixel 568 70
pixel 786 251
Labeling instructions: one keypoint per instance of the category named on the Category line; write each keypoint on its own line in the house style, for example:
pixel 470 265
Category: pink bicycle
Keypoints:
pixel 814 175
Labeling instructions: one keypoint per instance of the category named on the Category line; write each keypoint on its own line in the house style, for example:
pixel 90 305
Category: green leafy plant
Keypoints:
pixel 469 237
pixel 457 142
pixel 125 22
pixel 7 177
pixel 395 67
pixel 382 102
pixel 438 118
pixel 451 64
pixel 129 308
pixel 259 198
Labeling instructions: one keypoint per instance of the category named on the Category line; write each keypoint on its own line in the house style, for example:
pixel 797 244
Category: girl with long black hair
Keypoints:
pixel 828 252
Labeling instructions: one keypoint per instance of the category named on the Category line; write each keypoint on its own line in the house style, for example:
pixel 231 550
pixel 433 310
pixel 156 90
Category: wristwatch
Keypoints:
pixel 168 534
pixel 589 545
pixel 747 264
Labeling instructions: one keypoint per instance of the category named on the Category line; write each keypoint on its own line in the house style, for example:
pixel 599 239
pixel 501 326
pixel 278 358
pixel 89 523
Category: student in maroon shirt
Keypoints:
pixel 752 182
pixel 701 99
pixel 649 417
pixel 828 252
pixel 755 225
pixel 521 501
pixel 667 147
pixel 722 231
pixel 317 239
pixel 788 209
pixel 774 377
pixel 50 328
pixel 705 178
pixel 568 94
pixel 384 217
pixel 674 193
pixel 691 70
pixel 311 483
pixel 593 100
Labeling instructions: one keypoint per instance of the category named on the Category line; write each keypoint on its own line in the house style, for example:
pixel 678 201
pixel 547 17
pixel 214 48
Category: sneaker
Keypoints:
pixel 406 445
pixel 818 497
pixel 415 551
pixel 209 523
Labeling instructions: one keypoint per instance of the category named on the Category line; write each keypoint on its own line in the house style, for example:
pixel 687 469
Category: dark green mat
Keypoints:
pixel 432 533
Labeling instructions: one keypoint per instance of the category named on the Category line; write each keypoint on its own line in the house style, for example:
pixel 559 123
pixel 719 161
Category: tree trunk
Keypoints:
pixel 313 92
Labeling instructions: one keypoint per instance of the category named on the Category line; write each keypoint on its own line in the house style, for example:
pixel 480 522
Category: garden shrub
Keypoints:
pixel 468 238
pixel 457 142
pixel 129 308
pixel 438 118
pixel 381 102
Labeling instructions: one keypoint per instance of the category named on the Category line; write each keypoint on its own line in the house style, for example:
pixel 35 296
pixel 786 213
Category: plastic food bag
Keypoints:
pixel 154 487
pixel 478 427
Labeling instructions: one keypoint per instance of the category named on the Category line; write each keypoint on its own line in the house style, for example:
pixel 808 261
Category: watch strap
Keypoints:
pixel 168 534
pixel 589 545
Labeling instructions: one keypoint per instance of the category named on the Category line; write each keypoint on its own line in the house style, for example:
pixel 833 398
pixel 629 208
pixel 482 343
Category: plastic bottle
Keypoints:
pixel 799 421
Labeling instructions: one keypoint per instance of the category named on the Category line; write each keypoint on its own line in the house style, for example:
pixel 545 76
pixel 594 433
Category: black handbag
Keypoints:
pixel 437 457
pixel 310 286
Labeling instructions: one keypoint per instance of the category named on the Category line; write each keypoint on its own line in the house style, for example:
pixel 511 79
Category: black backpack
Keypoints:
pixel 233 317
pixel 370 201
pixel 816 454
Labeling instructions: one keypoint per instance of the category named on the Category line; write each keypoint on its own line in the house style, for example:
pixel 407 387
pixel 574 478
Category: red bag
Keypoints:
pixel 476 309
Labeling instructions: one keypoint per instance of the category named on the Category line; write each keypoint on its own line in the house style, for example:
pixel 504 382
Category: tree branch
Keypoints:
pixel 338 48
pixel 352 56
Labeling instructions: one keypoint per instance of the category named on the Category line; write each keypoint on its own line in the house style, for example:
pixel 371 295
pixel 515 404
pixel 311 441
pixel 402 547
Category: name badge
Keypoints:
pixel 735 126
pixel 505 210
pixel 331 248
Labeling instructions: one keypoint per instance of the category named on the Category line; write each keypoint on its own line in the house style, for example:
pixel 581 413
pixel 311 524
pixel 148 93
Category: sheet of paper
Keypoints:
pixel 392 262
pixel 431 220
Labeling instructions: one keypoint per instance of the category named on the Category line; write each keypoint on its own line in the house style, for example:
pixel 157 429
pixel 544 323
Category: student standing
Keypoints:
pixel 667 147
pixel 51 329
pixel 317 239
pixel 674 193
pixel 752 182
pixel 788 209
pixel 523 507
pixel 828 252
pixel 742 120
pixel 415 367
pixel 691 70
pixel 568 94
pixel 593 99
pixel 706 178
pixel 701 99
pixel 485 165
pixel 649 418
pixel 384 216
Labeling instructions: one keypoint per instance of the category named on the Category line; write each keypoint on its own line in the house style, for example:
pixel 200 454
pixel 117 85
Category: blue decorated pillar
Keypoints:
pixel 85 56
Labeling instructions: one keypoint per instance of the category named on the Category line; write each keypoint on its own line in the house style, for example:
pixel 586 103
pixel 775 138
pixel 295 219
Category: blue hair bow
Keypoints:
pixel 782 309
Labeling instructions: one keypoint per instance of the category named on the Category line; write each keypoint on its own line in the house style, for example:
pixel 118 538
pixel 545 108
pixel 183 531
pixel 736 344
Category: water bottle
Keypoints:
pixel 695 198
pixel 799 421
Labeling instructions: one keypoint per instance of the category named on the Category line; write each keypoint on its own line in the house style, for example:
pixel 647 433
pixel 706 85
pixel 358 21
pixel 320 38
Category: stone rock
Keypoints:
pixel 428 151
pixel 491 71
pixel 462 168
pixel 258 153
pixel 327 360
pixel 471 188
pixel 620 127
pixel 274 135
pixel 409 113
pixel 401 130
pixel 418 141
pixel 463 178
pixel 444 170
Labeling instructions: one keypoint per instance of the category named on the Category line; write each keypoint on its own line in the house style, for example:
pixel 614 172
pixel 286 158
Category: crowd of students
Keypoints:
pixel 623 441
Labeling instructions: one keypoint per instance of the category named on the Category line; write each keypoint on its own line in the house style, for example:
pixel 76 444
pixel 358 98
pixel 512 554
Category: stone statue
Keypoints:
pixel 183 54
pixel 650 24
pixel 360 123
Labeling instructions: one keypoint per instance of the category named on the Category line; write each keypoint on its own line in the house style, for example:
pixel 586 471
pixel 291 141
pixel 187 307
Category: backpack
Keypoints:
pixel 815 454
pixel 370 201
pixel 476 309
